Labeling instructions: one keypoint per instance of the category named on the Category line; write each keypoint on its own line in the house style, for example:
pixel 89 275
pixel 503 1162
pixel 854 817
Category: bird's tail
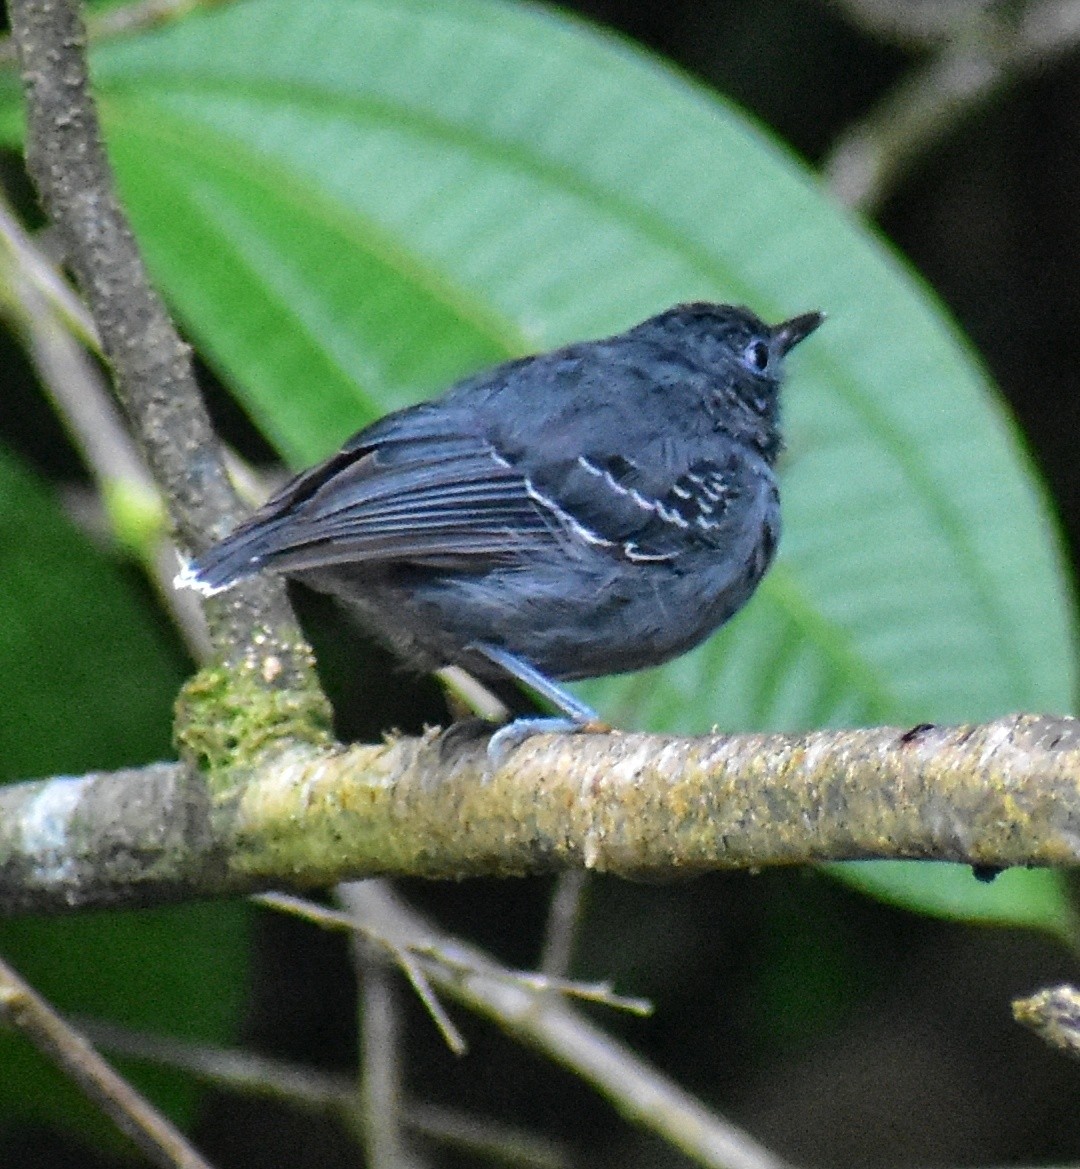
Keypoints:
pixel 241 554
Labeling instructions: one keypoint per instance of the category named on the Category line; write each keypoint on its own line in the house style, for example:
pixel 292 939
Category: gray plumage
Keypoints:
pixel 593 510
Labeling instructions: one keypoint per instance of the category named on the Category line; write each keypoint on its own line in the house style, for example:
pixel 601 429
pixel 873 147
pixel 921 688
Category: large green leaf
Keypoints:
pixel 352 201
pixel 89 683
pixel 1017 896
pixel 388 193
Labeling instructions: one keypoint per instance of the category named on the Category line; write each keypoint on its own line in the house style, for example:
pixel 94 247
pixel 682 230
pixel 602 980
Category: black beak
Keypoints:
pixel 789 333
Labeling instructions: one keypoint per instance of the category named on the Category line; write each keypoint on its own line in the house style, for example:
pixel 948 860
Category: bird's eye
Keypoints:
pixel 756 356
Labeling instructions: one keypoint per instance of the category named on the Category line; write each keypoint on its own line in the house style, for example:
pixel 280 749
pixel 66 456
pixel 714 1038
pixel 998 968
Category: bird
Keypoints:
pixel 596 509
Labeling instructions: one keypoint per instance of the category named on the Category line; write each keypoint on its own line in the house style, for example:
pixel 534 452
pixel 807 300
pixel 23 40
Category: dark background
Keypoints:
pixel 841 1033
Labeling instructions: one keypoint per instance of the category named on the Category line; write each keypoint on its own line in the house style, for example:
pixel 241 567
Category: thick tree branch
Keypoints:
pixel 151 365
pixel 644 806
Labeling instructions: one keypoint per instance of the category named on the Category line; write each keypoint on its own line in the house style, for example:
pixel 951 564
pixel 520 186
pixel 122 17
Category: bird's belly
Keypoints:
pixel 585 623
pixel 665 614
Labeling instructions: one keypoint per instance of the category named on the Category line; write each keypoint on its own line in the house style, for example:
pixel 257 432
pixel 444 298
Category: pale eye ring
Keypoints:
pixel 756 356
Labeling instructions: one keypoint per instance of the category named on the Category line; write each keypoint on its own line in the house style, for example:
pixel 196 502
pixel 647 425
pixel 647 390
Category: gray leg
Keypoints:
pixel 575 715
pixel 529 676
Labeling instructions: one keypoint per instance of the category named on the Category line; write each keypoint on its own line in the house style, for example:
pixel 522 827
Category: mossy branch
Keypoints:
pixel 642 806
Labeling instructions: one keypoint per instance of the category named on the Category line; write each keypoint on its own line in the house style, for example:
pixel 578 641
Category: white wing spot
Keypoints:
pixel 633 552
pixel 643 501
pixel 564 517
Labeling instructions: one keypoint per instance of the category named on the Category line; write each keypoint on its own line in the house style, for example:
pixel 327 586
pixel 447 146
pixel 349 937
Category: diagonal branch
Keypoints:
pixel 151 365
pixel 644 806
pixel 981 55
pixel 58 1041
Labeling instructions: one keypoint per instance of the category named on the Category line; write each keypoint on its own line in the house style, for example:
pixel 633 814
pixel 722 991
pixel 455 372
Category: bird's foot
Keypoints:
pixel 511 736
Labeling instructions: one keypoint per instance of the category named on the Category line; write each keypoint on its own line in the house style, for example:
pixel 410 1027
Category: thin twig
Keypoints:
pixel 59 1042
pixel 337 919
pixel 310 911
pixel 486 1138
pixel 38 269
pixel 238 1071
pixel 564 915
pixel 547 1023
pixel 125 20
pixel 322 1092
pixel 869 158
pixel 1054 1015
pixel 602 993
pixel 918 24
pixel 455 958
pixel 980 59
pixel 418 980
pixel 50 317
pixel 473 696
pixel 381 1094
pixel 460 958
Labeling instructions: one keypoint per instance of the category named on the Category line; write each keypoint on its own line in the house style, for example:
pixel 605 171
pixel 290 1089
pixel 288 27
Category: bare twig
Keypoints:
pixel 602 993
pixel 381 1094
pixel 125 20
pixel 1054 1015
pixel 58 1041
pixel 918 24
pixel 459 958
pixel 453 959
pixel 50 317
pixel 238 1071
pixel 38 270
pixel 473 696
pixel 562 922
pixel 982 56
pixel 869 158
pixel 418 980
pixel 483 1137
pixel 331 1094
pixel 547 1023
pixel 339 920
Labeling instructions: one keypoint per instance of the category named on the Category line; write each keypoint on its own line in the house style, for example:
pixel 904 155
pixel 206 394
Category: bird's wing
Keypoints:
pixel 651 507
pixel 464 485
pixel 446 501
pixel 406 496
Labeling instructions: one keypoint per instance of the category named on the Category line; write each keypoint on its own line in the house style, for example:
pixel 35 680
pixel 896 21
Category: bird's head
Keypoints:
pixel 741 357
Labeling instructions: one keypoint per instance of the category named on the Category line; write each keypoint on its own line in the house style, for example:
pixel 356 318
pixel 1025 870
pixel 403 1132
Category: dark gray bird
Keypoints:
pixel 596 509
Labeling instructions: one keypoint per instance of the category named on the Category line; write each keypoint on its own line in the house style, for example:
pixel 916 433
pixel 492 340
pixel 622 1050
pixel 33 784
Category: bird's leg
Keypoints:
pixel 575 715
pixel 540 684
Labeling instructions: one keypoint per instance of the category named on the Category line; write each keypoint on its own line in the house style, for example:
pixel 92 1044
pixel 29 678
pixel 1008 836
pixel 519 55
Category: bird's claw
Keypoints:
pixel 511 736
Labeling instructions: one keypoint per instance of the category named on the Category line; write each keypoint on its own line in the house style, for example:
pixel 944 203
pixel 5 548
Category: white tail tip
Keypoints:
pixel 188 578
